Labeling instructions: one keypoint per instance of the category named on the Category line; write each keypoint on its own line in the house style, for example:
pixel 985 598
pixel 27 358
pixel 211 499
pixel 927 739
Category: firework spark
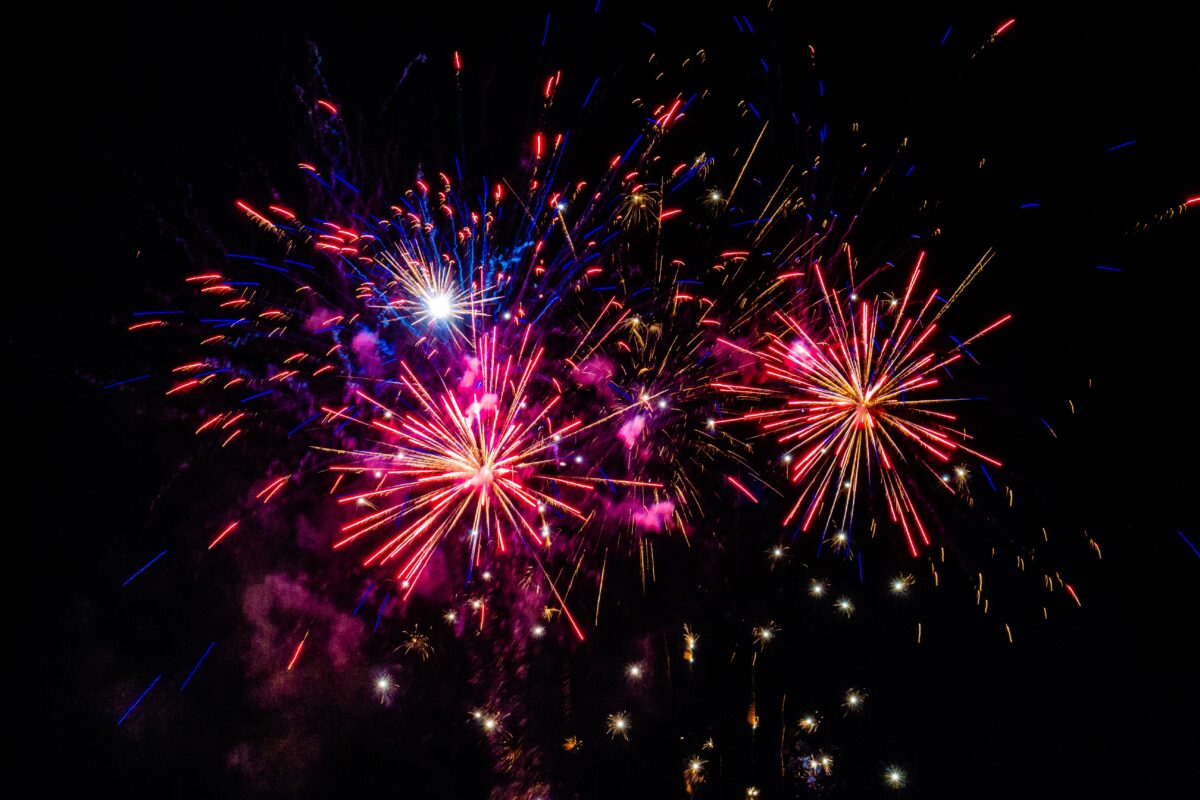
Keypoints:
pixel 618 725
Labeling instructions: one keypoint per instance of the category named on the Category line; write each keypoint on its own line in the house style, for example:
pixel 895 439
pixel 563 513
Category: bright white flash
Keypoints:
pixel 438 306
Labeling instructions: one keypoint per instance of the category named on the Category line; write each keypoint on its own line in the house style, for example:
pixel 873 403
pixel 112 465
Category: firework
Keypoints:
pixel 855 409
pixel 619 725
pixel 417 359
pixel 484 458
pixel 854 700
pixel 480 460
pixel 765 633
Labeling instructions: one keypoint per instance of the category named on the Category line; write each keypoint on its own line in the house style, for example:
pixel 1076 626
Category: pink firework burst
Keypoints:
pixel 479 458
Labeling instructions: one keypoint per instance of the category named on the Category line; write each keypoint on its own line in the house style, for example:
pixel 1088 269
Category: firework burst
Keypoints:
pixel 855 411
pixel 481 458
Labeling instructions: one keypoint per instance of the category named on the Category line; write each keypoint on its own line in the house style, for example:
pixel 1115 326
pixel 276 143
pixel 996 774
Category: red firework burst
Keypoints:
pixel 855 405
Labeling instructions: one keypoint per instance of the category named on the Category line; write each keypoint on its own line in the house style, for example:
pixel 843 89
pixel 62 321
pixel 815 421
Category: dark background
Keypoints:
pixel 142 126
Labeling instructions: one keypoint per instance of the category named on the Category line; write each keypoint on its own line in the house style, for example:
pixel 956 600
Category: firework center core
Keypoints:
pixel 483 476
pixel 438 306
pixel 862 412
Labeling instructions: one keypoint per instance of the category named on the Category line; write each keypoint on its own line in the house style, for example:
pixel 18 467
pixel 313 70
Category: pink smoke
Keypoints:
pixel 631 430
pixel 596 371
pixel 320 318
pixel 485 403
pixel 655 517
pixel 470 373
pixel 365 347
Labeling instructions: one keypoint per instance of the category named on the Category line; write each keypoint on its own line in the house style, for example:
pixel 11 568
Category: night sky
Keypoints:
pixel 143 128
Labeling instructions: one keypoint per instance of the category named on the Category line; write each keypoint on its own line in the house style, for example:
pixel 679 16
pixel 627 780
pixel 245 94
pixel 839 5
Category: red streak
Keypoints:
pixel 741 488
pixel 244 207
pixel 223 534
pixel 296 655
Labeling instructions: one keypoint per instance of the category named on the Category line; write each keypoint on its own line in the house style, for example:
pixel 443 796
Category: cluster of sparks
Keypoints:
pixel 468 430
pixel 464 394
pixel 487 462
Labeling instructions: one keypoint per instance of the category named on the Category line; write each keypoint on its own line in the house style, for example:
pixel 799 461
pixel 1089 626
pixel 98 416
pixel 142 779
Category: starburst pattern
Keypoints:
pixel 855 407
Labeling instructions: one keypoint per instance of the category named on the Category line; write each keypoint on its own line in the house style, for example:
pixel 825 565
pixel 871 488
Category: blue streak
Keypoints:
pixel 363 599
pixel 606 480
pixel 553 300
pixel 135 702
pixel 619 391
pixel 987 475
pixel 127 380
pixel 272 267
pixel 382 608
pixel 143 569
pixel 1188 542
pixel 595 83
pixel 636 142
pixel 302 424
pixel 965 350
pixel 198 663
pixel 344 182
